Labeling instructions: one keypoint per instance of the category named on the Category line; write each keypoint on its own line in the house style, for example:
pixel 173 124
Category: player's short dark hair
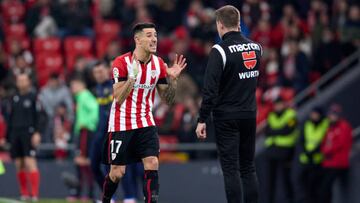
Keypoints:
pixel 140 26
pixel 229 16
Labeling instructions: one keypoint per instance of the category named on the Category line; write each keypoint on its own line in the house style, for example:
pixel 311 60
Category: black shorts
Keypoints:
pixel 21 145
pixel 125 147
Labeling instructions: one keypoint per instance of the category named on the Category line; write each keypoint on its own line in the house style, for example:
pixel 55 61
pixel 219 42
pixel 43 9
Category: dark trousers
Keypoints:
pixel 235 141
pixel 278 173
pixel 329 175
pixel 308 182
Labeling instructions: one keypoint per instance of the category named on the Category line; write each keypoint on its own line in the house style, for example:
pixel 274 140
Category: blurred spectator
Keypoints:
pixel 270 69
pixel 339 11
pixel 40 21
pixel 328 53
pixel 253 11
pixel 112 51
pixel 103 93
pixel 20 66
pixel 336 148
pixel 86 120
pixel 262 33
pixel 82 68
pixel 62 129
pixel 17 49
pixel 308 177
pixel 350 32
pixel 3 63
pixel 318 20
pixel 289 18
pixel 281 135
pixel 167 15
pixel 295 67
pixel 51 96
pixel 189 120
pixel 75 19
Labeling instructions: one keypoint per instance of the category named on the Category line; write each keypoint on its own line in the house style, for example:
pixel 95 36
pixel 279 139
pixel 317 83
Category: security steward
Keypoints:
pixel 281 135
pixel 229 93
pixel 308 175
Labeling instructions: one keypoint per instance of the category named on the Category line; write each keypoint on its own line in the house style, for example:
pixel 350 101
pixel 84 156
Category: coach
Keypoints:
pixel 229 93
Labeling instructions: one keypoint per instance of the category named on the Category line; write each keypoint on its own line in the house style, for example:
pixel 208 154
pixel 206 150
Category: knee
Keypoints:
pixel 151 163
pixel 116 173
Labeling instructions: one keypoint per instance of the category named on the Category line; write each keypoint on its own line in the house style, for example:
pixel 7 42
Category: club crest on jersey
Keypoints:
pixel 249 58
pixel 153 73
pixel 115 72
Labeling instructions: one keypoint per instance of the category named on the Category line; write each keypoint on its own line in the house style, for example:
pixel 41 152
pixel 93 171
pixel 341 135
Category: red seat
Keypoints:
pixel 48 45
pixel 17 30
pixel 25 42
pixel 12 11
pixel 77 45
pixel 107 29
pixel 46 64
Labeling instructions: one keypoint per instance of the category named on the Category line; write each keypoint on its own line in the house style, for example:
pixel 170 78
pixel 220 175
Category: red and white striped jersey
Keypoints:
pixel 136 111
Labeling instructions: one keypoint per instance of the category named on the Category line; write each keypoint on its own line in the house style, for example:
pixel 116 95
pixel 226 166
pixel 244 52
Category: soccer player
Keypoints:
pixel 229 93
pixel 25 121
pixel 132 133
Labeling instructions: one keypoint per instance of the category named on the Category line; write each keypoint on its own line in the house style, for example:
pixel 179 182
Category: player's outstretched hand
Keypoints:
pixel 179 65
pixel 201 131
pixel 133 69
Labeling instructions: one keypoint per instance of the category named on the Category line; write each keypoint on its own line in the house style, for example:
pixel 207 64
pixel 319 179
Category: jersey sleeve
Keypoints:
pixel 163 75
pixel 119 70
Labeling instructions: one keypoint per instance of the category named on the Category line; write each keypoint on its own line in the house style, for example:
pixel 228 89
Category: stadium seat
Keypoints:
pixel 47 64
pixel 17 30
pixel 25 42
pixel 77 45
pixel 107 29
pixel 48 45
pixel 12 11
pixel 101 46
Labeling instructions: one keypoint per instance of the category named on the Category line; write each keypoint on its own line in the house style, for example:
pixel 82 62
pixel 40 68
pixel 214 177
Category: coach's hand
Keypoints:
pixel 35 139
pixel 201 130
pixel 179 64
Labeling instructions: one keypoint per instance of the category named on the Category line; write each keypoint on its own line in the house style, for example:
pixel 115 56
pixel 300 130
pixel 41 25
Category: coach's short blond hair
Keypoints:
pixel 229 16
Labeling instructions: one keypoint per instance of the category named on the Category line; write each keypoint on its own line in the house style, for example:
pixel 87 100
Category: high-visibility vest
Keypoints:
pixel 277 122
pixel 2 168
pixel 313 136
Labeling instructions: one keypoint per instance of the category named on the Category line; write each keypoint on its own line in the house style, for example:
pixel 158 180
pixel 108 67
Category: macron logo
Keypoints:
pixel 249 74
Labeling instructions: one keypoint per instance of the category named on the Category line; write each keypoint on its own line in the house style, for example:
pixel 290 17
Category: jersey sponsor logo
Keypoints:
pixel 249 58
pixel 244 47
pixel 249 74
pixel 144 86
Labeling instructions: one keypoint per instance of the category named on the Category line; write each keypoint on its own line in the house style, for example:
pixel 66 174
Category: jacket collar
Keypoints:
pixel 229 34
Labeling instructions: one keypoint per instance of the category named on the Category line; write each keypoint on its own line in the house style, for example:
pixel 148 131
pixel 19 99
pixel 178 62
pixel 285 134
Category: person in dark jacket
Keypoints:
pixel 229 93
pixel 25 121
pixel 336 148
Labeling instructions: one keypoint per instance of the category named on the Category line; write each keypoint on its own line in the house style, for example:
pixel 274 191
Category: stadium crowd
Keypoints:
pixel 53 40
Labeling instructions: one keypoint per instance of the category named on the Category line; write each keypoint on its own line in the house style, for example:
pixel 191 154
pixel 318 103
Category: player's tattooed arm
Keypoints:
pixel 123 89
pixel 167 91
